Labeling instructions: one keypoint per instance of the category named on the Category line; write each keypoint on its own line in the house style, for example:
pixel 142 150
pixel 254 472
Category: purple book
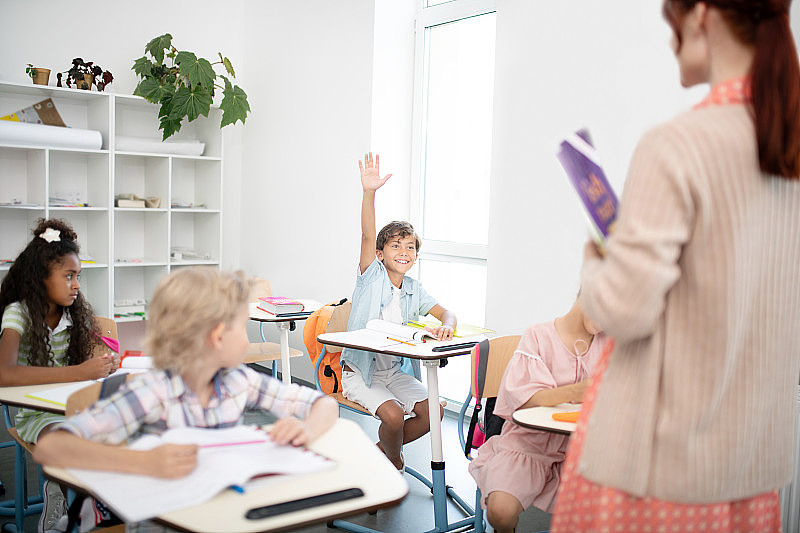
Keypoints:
pixel 577 156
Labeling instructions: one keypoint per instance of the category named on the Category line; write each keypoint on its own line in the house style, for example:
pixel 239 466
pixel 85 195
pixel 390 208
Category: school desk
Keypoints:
pixel 17 397
pixel 359 465
pixel 284 325
pixel 431 360
pixel 542 418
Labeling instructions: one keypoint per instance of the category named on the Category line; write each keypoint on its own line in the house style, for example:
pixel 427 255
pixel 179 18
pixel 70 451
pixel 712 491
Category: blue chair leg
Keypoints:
pixel 21 506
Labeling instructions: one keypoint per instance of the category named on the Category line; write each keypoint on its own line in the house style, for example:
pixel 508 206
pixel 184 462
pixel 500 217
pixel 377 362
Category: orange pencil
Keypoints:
pixel 398 340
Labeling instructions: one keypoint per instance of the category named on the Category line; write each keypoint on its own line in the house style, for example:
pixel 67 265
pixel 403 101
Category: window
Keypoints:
pixel 452 160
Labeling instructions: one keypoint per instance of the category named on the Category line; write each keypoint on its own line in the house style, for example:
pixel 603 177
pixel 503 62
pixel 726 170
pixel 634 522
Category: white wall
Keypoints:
pixel 561 66
pixel 309 73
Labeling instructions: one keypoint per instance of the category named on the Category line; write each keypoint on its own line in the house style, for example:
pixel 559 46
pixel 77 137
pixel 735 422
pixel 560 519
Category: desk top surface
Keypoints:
pixel 17 397
pixel 542 418
pixel 359 465
pixel 422 351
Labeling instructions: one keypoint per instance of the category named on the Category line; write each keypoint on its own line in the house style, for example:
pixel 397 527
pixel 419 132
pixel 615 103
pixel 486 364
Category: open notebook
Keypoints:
pixel 227 457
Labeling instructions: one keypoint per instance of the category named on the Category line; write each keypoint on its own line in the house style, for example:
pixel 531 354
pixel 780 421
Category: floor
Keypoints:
pixel 413 515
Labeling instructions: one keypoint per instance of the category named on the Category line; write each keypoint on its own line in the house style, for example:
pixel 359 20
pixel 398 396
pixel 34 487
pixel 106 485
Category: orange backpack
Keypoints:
pixel 327 319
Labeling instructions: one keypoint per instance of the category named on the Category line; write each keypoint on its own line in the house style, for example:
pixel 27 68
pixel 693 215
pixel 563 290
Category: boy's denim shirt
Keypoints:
pixel 373 291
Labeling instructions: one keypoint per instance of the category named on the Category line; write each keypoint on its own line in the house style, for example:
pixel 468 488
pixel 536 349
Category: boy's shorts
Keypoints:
pixel 392 384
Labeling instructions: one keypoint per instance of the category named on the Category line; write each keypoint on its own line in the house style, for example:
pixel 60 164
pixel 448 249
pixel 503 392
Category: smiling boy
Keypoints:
pixel 389 386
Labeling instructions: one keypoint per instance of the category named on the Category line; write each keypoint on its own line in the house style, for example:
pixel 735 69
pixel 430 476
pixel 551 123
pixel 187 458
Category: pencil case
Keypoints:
pixel 571 416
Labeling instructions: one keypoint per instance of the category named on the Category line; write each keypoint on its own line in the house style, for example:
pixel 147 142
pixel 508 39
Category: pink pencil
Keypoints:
pixel 220 444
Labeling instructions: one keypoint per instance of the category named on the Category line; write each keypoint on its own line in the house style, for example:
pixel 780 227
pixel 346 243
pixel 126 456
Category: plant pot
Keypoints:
pixel 85 83
pixel 42 76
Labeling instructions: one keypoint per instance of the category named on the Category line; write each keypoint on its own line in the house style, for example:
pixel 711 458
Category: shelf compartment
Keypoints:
pixel 196 183
pixel 95 286
pixel 145 176
pixel 92 229
pixel 80 177
pixel 196 231
pixel 136 284
pixel 78 109
pixel 141 235
pixel 23 176
pixel 17 227
pixel 136 117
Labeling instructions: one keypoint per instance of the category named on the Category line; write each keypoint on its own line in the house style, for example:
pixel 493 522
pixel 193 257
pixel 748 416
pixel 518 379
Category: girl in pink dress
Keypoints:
pixel 521 467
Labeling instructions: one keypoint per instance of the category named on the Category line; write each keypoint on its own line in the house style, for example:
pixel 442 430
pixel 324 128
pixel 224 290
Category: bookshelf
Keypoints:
pixel 132 248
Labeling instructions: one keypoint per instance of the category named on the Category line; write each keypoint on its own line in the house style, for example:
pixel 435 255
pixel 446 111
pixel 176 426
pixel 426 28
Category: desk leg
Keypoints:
pixel 437 458
pixel 286 375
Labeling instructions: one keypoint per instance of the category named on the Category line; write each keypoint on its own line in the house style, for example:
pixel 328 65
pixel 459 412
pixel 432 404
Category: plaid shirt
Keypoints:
pixel 156 401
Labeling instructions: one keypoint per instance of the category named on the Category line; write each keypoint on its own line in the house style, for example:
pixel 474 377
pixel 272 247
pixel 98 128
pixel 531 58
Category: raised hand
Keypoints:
pixel 370 173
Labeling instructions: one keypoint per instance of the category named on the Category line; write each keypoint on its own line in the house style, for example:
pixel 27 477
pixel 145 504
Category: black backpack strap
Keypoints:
pixel 482 363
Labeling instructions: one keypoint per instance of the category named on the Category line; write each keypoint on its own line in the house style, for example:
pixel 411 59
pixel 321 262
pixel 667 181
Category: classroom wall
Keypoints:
pixel 562 66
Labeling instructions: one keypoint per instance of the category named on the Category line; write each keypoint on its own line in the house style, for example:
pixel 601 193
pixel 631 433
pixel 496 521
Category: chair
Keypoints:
pixel 24 506
pixel 501 349
pixel 259 352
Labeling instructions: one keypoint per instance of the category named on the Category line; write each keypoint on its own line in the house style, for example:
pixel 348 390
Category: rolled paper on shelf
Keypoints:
pixel 144 145
pixel 24 134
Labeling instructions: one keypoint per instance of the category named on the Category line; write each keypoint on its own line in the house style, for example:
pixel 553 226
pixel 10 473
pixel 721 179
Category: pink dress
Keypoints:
pixel 526 463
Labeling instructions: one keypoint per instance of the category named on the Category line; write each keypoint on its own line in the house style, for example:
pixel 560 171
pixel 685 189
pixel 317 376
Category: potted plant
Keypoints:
pixel 185 87
pixel 85 74
pixel 39 75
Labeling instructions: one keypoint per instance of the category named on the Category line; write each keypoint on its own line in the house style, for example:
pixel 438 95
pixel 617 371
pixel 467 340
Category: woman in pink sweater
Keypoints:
pixel 688 423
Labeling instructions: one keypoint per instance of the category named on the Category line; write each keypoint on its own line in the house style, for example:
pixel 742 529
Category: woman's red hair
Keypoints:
pixel 775 72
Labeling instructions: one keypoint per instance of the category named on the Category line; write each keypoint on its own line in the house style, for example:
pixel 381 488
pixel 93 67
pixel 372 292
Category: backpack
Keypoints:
pixel 481 430
pixel 329 376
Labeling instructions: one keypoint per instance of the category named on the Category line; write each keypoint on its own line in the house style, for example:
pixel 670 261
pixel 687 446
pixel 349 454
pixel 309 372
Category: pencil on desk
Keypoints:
pixel 398 340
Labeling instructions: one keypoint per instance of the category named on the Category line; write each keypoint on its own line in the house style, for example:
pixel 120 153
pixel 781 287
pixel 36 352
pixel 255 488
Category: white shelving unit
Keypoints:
pixel 133 248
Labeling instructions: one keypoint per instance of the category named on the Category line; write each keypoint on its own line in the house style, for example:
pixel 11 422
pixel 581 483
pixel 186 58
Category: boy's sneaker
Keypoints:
pixel 53 508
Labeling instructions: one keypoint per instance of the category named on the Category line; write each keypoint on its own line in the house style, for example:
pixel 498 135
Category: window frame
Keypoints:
pixel 429 17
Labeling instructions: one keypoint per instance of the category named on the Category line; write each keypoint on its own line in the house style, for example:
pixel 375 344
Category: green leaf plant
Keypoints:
pixel 185 88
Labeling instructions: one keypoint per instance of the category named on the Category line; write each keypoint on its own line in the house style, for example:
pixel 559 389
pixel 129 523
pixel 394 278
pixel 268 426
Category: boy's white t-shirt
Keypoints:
pixel 390 313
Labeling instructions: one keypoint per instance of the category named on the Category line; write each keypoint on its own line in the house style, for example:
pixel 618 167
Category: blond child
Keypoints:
pixel 196 335
pixel 389 386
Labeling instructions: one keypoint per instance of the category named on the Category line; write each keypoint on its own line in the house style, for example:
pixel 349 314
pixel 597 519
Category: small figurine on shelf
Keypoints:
pixel 85 74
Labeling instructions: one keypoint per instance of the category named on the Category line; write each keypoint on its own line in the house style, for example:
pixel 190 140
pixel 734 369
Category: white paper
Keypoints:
pixel 21 133
pixel 145 145
pixel 137 497
pixel 59 395
pixel 138 362
pixel 400 331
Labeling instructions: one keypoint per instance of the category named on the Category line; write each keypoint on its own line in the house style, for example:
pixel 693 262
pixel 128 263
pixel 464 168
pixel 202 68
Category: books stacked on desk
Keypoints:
pixel 282 306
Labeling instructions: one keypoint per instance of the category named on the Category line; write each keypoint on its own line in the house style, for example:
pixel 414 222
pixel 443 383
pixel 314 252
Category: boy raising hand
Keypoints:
pixel 389 386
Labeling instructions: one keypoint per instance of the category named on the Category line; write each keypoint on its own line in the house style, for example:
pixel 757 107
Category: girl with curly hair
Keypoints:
pixel 48 333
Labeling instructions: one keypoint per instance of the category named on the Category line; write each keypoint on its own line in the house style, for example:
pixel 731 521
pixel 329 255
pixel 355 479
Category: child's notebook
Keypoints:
pixel 579 159
pixel 227 457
